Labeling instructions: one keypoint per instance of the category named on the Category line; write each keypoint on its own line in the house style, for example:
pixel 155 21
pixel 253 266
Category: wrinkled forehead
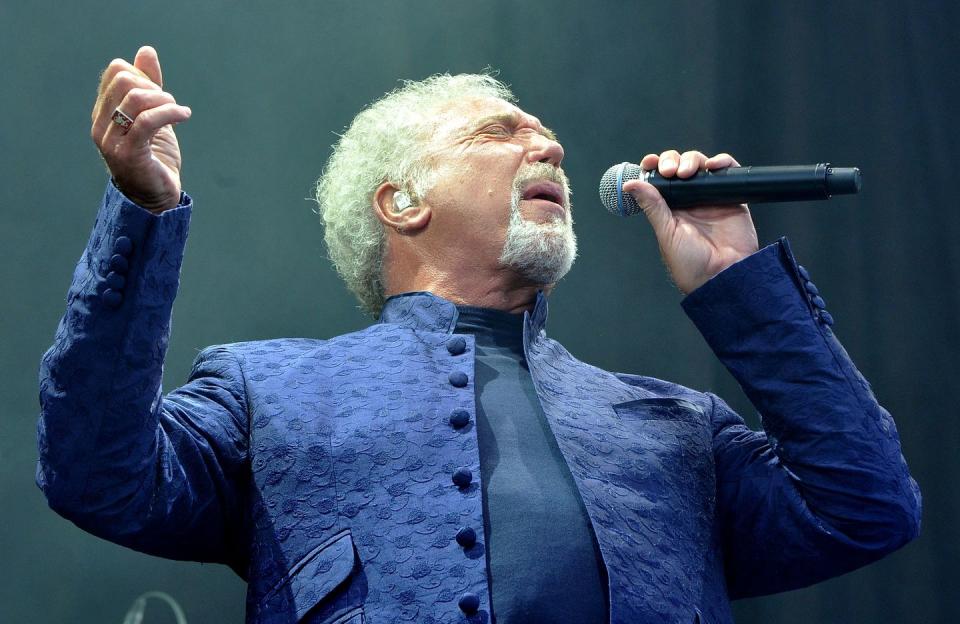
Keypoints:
pixel 460 117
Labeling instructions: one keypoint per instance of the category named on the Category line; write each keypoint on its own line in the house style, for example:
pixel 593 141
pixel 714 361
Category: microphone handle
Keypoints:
pixel 740 185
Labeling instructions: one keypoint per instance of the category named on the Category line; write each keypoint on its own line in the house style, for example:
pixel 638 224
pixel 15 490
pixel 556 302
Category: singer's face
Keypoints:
pixel 496 166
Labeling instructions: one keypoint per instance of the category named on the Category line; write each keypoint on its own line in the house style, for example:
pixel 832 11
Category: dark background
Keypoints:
pixel 872 84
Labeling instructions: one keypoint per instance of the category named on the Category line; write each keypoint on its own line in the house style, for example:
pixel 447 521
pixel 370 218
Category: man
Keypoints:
pixel 451 463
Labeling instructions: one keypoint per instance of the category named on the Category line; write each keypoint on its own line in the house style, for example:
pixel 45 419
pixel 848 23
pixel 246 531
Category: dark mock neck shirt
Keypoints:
pixel 544 564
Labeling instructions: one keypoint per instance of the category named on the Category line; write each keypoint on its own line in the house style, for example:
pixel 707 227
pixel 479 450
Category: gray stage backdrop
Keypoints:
pixel 872 84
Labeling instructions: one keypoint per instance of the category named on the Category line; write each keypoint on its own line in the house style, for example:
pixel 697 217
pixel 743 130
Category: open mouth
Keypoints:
pixel 545 191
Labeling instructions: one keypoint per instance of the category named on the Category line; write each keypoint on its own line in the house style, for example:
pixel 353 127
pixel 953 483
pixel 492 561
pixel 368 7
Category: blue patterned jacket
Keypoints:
pixel 321 470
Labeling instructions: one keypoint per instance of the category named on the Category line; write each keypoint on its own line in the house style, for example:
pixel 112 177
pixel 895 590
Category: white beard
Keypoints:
pixel 540 252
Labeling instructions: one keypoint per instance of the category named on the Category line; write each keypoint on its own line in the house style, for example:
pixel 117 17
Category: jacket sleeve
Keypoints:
pixel 824 489
pixel 162 475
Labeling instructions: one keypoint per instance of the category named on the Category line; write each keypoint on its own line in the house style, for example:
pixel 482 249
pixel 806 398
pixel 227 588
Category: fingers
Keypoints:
pixel 652 205
pixel 120 76
pixel 672 162
pixel 649 162
pixel 137 103
pixel 122 81
pixel 668 164
pixel 116 66
pixel 150 121
pixel 109 76
pixel 126 91
pixel 148 62
pixel 721 161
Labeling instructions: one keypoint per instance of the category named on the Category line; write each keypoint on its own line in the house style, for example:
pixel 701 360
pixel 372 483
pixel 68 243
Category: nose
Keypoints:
pixel 545 150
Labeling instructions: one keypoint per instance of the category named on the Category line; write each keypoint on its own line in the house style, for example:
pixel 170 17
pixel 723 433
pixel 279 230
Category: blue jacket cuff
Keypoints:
pixel 115 194
pixel 765 287
pixel 125 238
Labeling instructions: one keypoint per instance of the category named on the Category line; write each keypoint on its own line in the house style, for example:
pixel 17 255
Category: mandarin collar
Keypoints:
pixel 425 311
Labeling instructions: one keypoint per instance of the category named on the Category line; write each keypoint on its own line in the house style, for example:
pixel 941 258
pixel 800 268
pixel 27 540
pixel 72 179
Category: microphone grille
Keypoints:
pixel 611 189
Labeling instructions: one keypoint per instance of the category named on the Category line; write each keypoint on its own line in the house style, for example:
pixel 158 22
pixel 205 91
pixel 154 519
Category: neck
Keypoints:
pixel 468 282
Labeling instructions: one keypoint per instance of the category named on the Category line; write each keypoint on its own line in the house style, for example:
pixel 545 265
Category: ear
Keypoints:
pixel 409 220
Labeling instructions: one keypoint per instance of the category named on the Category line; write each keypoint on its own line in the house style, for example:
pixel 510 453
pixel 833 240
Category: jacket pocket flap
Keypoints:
pixel 312 578
pixel 662 409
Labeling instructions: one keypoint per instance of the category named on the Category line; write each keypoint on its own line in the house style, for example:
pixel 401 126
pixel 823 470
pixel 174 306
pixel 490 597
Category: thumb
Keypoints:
pixel 652 204
pixel 148 62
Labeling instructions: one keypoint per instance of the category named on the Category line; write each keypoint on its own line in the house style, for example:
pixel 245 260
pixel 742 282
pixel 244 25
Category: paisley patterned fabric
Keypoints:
pixel 334 475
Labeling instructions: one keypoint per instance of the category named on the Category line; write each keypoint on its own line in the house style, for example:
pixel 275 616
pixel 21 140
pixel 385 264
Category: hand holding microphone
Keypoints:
pixel 697 205
pixel 732 185
pixel 698 243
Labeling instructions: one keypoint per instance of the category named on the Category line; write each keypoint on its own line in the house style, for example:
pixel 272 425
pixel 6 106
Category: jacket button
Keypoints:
pixel 826 318
pixel 803 272
pixel 819 302
pixel 119 264
pixel 462 477
pixel 466 537
pixel 458 379
pixel 112 298
pixel 115 280
pixel 456 345
pixel 812 288
pixel 459 418
pixel 123 246
pixel 469 603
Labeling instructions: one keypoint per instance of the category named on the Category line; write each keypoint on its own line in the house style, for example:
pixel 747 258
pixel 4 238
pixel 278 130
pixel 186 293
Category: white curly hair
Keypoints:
pixel 388 141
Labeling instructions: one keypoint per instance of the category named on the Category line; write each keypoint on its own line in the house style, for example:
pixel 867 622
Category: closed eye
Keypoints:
pixel 497 129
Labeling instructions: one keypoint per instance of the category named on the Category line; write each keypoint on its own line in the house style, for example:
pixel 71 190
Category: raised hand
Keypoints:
pixel 696 243
pixel 143 159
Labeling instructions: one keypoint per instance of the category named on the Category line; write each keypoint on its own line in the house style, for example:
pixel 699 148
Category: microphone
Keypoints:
pixel 733 185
